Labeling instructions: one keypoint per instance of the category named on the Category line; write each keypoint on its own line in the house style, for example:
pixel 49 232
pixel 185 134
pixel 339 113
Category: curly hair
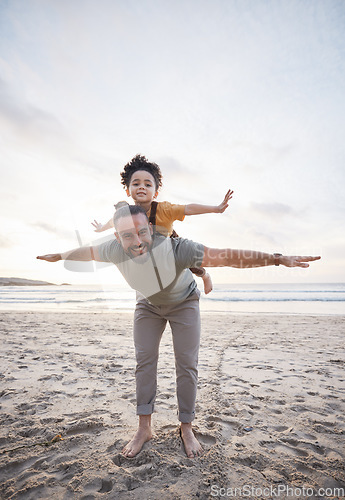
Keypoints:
pixel 140 163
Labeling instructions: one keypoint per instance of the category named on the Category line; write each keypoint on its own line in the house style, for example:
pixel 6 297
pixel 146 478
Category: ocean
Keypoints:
pixel 307 298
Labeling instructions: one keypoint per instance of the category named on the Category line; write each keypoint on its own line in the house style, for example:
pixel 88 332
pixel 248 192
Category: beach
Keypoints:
pixel 270 409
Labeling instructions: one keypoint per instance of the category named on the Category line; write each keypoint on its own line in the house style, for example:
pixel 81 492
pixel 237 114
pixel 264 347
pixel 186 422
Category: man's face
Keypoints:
pixel 134 233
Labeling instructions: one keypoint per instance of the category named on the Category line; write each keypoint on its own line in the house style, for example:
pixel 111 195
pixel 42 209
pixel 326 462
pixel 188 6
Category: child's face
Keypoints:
pixel 142 187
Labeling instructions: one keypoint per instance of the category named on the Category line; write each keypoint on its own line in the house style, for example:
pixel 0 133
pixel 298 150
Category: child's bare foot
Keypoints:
pixel 191 444
pixel 143 434
pixel 208 286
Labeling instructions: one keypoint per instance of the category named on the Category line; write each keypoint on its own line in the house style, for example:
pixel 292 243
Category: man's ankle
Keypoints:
pixel 145 421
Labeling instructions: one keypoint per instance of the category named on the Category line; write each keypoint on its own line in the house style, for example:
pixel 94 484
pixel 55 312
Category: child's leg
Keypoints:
pixel 201 272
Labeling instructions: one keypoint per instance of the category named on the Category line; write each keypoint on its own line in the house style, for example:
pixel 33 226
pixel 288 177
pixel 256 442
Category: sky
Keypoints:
pixel 240 94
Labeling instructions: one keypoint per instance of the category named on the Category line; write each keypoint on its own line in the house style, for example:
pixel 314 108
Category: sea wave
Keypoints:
pixel 318 298
pixel 274 299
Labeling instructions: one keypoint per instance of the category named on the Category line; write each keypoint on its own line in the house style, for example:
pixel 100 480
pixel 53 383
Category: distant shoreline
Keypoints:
pixel 23 282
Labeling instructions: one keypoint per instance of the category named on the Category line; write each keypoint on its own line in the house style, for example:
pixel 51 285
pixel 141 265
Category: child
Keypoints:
pixel 142 180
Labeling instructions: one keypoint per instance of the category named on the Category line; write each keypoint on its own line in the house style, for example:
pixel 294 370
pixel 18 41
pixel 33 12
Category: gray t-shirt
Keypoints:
pixel 162 275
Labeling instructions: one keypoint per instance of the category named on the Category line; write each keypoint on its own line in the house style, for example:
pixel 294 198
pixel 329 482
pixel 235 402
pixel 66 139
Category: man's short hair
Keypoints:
pixel 124 210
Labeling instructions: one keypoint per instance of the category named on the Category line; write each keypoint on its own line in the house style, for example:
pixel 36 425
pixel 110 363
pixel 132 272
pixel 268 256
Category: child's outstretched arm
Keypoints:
pixel 102 227
pixel 195 209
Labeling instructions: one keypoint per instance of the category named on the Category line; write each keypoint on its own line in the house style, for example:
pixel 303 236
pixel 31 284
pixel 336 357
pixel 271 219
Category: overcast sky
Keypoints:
pixel 241 94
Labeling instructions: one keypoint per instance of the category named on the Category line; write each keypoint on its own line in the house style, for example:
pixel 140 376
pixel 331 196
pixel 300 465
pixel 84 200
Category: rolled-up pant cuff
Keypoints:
pixel 186 418
pixel 145 409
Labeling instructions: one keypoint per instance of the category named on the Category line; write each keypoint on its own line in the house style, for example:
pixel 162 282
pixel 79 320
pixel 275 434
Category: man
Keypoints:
pixel 158 268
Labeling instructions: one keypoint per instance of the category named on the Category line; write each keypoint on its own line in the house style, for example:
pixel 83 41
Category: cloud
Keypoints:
pixel 174 171
pixel 33 127
pixel 53 229
pixel 5 242
pixel 170 164
pixel 272 210
pixel 30 120
pixel 45 227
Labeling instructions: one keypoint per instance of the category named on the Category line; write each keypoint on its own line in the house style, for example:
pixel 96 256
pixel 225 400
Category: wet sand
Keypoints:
pixel 270 409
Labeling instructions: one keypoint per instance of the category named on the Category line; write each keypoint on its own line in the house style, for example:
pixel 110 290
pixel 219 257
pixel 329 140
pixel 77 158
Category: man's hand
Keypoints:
pixel 296 261
pixel 50 257
pixel 224 205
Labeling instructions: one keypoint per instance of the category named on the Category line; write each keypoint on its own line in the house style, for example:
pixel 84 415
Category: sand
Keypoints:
pixel 270 411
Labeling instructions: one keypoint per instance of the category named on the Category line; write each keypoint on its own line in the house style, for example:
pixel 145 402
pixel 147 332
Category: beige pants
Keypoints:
pixel 149 324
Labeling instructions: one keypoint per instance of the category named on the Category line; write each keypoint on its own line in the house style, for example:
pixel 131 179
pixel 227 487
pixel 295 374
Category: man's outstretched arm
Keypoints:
pixel 81 254
pixel 227 257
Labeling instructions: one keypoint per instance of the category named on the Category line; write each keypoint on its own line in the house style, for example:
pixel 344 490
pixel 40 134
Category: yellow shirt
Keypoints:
pixel 166 214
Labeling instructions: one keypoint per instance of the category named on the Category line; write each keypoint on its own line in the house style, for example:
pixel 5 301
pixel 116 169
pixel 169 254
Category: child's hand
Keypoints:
pixel 98 226
pixel 224 205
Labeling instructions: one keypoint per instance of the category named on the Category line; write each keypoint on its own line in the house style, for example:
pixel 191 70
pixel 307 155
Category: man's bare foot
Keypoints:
pixel 143 434
pixel 191 444
pixel 208 285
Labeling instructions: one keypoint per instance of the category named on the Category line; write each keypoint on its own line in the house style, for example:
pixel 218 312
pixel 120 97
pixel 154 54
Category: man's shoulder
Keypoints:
pixel 159 238
pixel 185 243
pixel 176 243
pixel 108 242
pixel 188 253
pixel 110 249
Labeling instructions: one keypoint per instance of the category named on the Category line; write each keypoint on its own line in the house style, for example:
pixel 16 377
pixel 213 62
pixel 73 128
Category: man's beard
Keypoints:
pixel 139 253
